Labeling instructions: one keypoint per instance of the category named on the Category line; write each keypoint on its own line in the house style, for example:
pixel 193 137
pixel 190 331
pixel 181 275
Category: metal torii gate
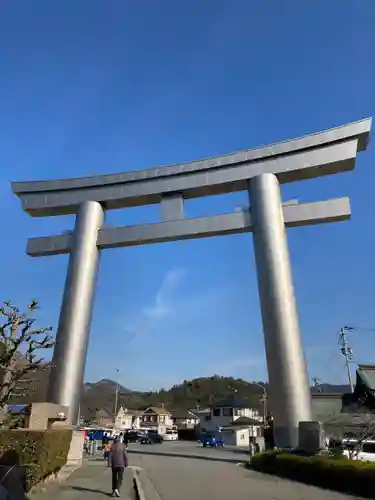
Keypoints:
pixel 259 171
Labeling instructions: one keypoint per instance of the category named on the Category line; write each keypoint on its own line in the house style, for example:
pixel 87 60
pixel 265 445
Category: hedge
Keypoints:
pixel 39 453
pixel 335 473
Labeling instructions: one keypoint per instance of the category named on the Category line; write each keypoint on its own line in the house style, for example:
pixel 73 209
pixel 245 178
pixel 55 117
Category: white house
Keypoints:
pixel 128 419
pixel 234 419
pixel 240 430
pixel 203 415
pixel 185 419
pixel 156 418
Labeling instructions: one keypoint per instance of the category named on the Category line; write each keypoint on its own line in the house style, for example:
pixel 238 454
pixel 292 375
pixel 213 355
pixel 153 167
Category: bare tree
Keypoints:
pixel 357 437
pixel 20 343
pixel 351 431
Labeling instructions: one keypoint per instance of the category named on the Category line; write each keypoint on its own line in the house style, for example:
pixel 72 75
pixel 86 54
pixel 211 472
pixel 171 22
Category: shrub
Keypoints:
pixel 349 476
pixel 40 453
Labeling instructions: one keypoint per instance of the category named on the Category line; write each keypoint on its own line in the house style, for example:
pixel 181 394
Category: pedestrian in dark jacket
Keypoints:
pixel 117 460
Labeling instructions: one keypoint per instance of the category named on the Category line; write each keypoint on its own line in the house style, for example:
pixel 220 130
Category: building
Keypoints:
pixel 185 419
pixel 103 418
pixel 350 414
pixel 156 418
pixel 203 415
pixel 227 411
pixel 128 419
pixel 238 432
pixel 325 405
pixel 236 421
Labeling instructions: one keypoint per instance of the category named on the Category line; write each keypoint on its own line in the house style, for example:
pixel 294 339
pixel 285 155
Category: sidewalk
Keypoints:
pixel 91 481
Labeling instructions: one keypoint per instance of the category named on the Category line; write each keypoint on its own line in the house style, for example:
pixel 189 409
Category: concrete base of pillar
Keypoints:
pixel 76 449
pixel 311 437
pixel 43 416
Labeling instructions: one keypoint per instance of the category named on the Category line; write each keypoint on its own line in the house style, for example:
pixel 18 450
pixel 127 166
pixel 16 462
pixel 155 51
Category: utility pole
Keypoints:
pixel 263 399
pixel 116 396
pixel 347 352
pixel 317 382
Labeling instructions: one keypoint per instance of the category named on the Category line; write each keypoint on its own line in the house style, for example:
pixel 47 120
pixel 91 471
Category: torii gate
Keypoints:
pixel 259 171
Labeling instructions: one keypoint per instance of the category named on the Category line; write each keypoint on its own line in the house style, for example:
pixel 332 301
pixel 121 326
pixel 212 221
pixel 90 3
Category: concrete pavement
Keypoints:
pixel 91 481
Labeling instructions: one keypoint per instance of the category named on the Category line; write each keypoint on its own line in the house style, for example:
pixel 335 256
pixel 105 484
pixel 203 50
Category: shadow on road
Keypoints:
pixel 241 451
pixel 187 455
pixel 88 490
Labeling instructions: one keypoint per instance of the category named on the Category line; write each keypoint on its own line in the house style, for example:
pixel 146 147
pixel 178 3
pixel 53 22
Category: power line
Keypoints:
pixel 351 328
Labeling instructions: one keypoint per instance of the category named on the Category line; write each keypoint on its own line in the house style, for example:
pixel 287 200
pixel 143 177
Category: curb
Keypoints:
pixel 139 493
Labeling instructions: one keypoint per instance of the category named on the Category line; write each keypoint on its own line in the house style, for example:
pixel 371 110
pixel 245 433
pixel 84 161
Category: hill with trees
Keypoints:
pixel 200 392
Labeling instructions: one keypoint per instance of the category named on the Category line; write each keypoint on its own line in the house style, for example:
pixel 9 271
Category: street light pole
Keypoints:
pixel 263 399
pixel 116 397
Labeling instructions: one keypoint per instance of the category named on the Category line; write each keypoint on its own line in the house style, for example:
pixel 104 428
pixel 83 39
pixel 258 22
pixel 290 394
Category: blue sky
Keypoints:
pixel 98 86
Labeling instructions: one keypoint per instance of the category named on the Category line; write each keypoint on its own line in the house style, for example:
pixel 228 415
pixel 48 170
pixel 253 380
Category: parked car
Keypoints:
pixel 211 440
pixel 170 435
pixel 131 436
pixel 151 438
pixel 366 450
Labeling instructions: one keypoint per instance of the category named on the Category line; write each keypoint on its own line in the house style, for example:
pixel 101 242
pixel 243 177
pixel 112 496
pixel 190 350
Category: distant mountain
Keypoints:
pixel 105 385
pixel 200 392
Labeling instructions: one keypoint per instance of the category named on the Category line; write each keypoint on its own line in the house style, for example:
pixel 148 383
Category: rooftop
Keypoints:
pixel 157 410
pixel 184 414
pixel 242 422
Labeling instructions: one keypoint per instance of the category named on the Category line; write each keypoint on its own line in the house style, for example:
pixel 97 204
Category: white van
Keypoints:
pixel 170 435
pixel 367 453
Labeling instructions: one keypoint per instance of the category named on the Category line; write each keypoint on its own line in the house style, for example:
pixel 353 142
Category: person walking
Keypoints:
pixel 251 446
pixel 117 460
pixel 107 448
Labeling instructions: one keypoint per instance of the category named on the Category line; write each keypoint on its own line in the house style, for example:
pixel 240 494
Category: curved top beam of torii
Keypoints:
pixel 324 153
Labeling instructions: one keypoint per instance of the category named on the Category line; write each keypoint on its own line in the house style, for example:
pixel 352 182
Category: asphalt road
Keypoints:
pixel 182 471
pixel 187 449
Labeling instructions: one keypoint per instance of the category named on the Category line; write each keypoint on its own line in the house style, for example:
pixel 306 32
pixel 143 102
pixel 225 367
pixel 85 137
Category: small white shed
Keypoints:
pixel 239 431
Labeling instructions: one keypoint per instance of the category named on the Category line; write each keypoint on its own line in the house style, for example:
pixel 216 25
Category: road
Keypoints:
pixel 190 450
pixel 182 471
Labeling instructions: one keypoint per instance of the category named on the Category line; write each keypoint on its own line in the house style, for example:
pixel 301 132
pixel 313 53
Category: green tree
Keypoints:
pixel 20 345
